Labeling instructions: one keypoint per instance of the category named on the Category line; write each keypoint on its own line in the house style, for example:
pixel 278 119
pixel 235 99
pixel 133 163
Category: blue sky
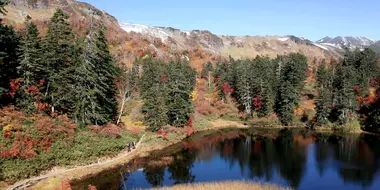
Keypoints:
pixel 312 19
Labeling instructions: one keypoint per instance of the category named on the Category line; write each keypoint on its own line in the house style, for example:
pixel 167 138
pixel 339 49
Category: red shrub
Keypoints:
pixel 356 88
pixel 227 89
pixel 190 122
pixel 189 130
pixel 166 133
pixel 257 103
pixel 111 130
pixel 65 185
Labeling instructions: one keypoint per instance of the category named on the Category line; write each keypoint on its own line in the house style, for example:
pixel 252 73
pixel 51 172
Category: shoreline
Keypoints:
pixel 77 173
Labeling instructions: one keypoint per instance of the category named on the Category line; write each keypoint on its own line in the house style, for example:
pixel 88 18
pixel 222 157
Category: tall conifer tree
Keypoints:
pixel 31 67
pixel 59 50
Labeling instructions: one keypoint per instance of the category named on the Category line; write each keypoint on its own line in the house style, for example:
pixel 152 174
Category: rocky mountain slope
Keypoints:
pixel 235 46
pixel 349 42
pixel 130 40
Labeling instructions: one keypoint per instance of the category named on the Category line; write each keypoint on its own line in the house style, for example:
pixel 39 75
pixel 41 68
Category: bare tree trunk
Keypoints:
pixel 47 89
pixel 209 76
pixel 122 106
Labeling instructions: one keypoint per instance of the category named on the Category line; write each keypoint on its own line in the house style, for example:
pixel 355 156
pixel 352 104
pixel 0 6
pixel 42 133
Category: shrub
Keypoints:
pixel 29 145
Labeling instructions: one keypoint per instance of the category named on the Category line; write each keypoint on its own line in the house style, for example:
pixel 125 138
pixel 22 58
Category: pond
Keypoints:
pixel 298 159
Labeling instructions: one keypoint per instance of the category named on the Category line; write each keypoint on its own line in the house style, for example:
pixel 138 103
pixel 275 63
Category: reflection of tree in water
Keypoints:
pixel 180 168
pixel 155 175
pixel 358 159
pixel 290 158
pixel 262 154
pixel 354 157
pixel 260 162
pixel 322 153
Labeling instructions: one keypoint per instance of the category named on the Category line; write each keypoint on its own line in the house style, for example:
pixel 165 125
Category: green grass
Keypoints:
pixel 202 123
pixel 86 148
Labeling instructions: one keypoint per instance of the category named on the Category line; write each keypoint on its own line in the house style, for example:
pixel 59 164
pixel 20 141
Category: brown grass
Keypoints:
pixel 224 186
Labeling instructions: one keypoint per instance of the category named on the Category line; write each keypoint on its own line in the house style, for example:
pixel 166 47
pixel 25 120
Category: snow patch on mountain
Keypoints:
pixel 283 39
pixel 348 41
pixel 143 29
pixel 321 46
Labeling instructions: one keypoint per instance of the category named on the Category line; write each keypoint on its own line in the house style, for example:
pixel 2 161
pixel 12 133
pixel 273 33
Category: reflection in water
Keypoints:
pixel 290 158
pixel 155 175
pixel 303 161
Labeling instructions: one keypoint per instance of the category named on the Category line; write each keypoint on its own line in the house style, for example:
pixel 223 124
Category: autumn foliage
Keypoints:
pixel 26 137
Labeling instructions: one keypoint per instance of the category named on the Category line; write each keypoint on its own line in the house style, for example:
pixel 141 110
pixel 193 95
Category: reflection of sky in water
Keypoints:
pixel 216 168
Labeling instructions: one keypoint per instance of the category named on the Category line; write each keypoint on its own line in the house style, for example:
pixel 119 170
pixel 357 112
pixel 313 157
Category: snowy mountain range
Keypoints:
pixel 259 44
pixel 348 41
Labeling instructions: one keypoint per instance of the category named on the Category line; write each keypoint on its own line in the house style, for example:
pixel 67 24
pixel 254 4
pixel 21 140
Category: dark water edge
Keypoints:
pixel 296 158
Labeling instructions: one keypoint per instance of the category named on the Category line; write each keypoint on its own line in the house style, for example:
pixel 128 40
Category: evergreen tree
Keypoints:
pixel 264 77
pixel 244 86
pixel 31 68
pixel 181 82
pixel 9 42
pixel 94 75
pixel 154 93
pixel 84 96
pixel 30 55
pixel 155 109
pixel 291 73
pixel 287 98
pixel 133 77
pixel 58 47
pixel 206 72
pixel 107 72
pixel 324 98
pixel 344 101
pixel 367 68
pixel 221 76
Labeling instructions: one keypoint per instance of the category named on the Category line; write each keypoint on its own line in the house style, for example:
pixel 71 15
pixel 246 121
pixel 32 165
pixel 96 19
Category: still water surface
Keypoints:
pixel 289 158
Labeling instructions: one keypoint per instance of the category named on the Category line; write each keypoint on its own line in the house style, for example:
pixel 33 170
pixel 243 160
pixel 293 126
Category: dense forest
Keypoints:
pixel 345 91
pixel 56 85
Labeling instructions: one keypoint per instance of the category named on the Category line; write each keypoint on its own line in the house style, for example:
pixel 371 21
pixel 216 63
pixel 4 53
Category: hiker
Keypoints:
pixel 128 147
pixel 133 145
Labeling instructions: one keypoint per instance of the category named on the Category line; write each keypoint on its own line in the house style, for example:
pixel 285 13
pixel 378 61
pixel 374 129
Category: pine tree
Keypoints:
pixel 94 75
pixel 107 72
pixel 206 72
pixel 244 86
pixel 291 73
pixel 9 42
pixel 58 47
pixel 31 68
pixel 286 100
pixel 30 55
pixel 324 98
pixel 264 76
pixel 181 82
pixel 222 75
pixel 154 93
pixel 85 103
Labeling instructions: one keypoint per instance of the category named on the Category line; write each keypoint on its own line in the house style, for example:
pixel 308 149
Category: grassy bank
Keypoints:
pixel 224 186
pixel 151 142
pixel 31 145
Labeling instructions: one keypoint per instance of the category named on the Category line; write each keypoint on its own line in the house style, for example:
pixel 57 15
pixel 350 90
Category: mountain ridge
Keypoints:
pixel 131 40
pixel 227 45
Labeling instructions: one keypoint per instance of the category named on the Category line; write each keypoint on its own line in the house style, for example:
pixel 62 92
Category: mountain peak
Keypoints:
pixel 347 41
